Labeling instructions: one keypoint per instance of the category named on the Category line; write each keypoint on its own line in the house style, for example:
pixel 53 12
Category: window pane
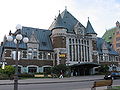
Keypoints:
pixel 7 53
pixel 35 55
pixel 49 55
pixel 24 54
pixel 40 55
pixel 44 55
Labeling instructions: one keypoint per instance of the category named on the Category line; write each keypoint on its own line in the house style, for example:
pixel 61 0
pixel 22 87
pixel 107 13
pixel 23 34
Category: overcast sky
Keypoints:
pixel 102 14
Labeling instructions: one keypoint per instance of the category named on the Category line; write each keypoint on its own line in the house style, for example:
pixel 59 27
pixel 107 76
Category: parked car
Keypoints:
pixel 112 75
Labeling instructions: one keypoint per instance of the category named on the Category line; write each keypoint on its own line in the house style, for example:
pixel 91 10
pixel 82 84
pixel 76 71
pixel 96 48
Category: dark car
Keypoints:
pixel 112 75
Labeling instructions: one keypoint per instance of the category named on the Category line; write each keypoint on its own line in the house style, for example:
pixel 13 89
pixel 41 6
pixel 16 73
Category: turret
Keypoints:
pixel 59 40
pixel 89 30
pixel 117 24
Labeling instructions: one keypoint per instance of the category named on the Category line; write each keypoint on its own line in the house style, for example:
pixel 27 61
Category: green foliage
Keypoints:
pixel 104 69
pixel 9 70
pixel 57 69
pixel 3 76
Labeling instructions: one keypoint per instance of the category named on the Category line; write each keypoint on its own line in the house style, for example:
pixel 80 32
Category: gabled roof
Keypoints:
pixel 42 35
pixel 100 43
pixel 68 21
pixel 89 29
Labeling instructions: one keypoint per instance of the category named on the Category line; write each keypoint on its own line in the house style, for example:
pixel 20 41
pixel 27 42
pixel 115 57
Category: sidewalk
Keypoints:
pixel 57 80
pixel 97 88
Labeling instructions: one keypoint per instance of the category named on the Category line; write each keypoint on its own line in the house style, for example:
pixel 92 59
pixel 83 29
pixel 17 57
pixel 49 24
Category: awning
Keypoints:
pixel 86 64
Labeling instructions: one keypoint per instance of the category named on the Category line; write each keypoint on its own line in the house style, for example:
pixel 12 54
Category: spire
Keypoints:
pixel 89 28
pixel 65 7
pixel 58 22
pixel 88 18
pixel 117 24
pixel 10 32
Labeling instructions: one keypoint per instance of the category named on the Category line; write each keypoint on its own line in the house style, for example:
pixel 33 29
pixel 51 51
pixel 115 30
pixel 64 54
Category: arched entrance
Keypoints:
pixel 81 69
pixel 47 69
pixel 32 69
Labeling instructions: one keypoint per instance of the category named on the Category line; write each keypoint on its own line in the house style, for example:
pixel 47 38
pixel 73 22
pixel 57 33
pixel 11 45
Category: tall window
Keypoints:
pixel 85 53
pixel 80 52
pixel 40 55
pixel 70 52
pixel 49 56
pixel 76 41
pixel 73 52
pixel 77 52
pixel 34 54
pixel 87 42
pixel 7 53
pixel 70 41
pixel 88 54
pixel 101 57
pixel 24 54
pixel 30 54
pixel 44 55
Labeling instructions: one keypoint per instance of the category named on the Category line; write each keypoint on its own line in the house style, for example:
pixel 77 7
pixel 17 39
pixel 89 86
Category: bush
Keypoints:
pixel 103 69
pixel 57 69
pixel 3 77
pixel 7 72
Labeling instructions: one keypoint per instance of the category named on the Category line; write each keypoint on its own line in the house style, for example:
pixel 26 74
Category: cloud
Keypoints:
pixel 40 13
pixel 103 13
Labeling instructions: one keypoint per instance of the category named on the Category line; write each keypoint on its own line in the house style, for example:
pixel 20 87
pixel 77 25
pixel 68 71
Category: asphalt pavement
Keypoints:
pixel 57 80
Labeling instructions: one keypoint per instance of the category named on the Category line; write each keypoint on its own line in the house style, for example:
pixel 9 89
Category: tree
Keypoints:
pixel 104 68
pixel 57 69
pixel 9 70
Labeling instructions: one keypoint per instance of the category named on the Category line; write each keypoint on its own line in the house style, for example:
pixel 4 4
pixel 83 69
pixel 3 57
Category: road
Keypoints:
pixel 73 83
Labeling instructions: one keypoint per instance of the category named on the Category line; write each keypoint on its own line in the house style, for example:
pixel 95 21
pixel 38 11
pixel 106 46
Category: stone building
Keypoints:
pixel 66 41
pixel 112 36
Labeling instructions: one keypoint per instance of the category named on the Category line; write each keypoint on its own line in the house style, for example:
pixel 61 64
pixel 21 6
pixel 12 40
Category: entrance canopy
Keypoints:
pixel 86 64
pixel 83 68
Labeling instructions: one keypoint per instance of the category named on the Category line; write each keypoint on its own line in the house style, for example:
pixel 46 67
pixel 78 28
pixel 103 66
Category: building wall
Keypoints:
pixel 24 63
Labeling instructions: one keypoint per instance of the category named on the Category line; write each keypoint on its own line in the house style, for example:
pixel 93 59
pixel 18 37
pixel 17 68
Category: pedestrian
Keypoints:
pixel 61 75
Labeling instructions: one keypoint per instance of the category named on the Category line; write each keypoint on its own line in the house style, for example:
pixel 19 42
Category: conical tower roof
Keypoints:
pixel 58 23
pixel 89 28
pixel 66 20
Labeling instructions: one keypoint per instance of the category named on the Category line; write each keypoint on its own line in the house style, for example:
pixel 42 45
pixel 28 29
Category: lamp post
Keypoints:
pixel 17 41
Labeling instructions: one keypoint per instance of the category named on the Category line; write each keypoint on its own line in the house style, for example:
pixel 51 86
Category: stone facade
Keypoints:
pixel 66 42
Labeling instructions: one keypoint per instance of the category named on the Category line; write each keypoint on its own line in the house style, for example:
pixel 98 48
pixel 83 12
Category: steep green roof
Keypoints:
pixel 109 34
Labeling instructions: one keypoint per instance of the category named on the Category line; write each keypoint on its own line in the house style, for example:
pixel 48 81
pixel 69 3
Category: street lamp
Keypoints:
pixel 17 40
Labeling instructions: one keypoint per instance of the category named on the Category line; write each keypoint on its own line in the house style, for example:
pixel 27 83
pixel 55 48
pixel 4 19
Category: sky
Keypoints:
pixel 102 14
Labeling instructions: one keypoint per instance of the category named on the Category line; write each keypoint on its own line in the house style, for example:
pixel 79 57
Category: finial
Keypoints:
pixel 59 11
pixel 88 18
pixel 65 7
pixel 55 18
pixel 10 32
